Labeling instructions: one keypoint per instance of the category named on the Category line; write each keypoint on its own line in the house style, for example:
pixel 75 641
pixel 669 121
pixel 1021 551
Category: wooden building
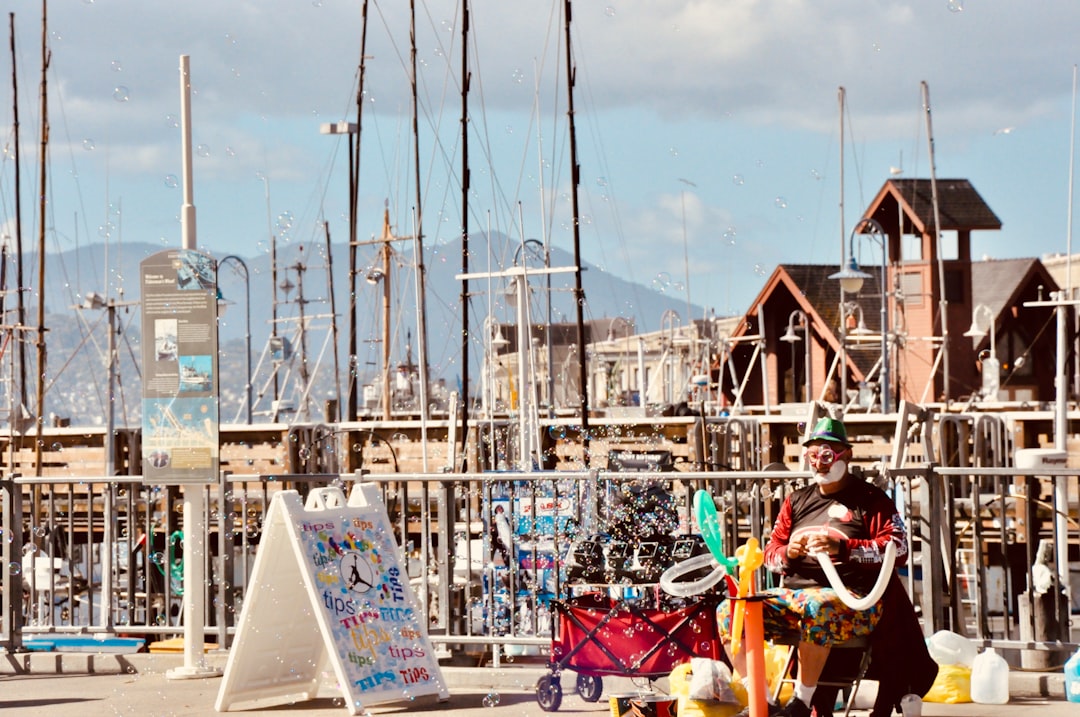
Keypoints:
pixel 812 332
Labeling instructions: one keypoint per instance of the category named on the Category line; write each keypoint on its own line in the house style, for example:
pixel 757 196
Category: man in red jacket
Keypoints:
pixel 850 520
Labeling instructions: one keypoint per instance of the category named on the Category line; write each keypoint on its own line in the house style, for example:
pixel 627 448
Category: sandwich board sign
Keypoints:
pixel 329 608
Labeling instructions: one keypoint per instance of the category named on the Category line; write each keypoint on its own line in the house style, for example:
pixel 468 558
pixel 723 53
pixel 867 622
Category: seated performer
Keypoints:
pixel 850 520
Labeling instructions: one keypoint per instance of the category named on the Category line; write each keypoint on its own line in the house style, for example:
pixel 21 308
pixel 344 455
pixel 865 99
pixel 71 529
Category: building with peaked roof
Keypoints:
pixel 806 338
pixel 929 260
pixel 1024 342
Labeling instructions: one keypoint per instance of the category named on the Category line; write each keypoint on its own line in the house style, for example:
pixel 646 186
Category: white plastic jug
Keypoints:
pixel 990 679
pixel 1072 678
pixel 948 648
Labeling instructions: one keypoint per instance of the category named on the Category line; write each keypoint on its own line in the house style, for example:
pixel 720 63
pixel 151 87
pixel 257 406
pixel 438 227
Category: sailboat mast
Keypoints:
pixel 273 308
pixel 19 299
pixel 354 203
pixel 421 288
pixel 333 320
pixel 579 292
pixel 385 251
pixel 465 78
pixel 41 241
pixel 943 305
pixel 841 96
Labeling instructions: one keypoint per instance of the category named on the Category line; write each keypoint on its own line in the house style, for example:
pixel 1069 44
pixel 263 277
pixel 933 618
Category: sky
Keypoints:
pixel 708 131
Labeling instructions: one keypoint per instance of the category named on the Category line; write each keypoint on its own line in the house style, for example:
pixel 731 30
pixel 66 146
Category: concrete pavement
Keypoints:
pixel 88 685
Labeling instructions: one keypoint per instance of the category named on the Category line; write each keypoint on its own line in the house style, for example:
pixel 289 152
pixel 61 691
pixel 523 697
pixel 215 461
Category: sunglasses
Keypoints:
pixel 824 455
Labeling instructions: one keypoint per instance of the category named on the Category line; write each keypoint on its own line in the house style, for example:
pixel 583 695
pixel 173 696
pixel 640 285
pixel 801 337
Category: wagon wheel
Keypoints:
pixel 590 688
pixel 549 693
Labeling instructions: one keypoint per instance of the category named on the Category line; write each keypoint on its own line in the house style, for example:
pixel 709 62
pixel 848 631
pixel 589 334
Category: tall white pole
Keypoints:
pixel 1069 222
pixel 1061 495
pixel 187 211
pixel 525 373
pixel 806 362
pixel 194 501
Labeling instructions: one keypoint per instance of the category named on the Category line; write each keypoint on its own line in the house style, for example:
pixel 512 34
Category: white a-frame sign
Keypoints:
pixel 329 606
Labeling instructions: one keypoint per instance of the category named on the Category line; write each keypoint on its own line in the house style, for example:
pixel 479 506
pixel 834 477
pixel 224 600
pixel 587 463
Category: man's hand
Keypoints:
pixel 797 548
pixel 822 543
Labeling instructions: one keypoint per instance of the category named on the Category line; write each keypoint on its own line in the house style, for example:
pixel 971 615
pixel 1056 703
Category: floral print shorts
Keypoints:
pixel 810 614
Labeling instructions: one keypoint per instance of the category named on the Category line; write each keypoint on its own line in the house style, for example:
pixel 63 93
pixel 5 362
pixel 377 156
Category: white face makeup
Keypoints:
pixel 835 472
pixel 825 462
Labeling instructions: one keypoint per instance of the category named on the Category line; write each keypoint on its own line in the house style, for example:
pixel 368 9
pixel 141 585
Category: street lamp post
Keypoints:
pixel 991 367
pixel 791 337
pixel 350 129
pixel 247 328
pixel 851 279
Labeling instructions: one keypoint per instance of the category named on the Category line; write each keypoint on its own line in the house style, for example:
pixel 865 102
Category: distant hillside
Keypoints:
pixel 76 338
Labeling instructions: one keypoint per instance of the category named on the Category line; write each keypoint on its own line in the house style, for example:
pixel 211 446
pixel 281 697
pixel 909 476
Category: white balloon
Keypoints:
pixel 692 587
pixel 879 587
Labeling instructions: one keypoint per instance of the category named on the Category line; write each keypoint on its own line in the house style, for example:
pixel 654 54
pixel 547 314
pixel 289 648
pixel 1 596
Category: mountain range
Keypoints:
pixel 76 364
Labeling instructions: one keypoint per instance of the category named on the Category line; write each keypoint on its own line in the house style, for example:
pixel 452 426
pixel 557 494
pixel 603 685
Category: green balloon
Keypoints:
pixel 709 523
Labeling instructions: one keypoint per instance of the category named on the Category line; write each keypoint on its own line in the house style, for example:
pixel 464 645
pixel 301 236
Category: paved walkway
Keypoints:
pixel 92 685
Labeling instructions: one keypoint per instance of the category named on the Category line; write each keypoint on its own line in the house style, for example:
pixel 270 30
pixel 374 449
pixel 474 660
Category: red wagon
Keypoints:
pixel 597 635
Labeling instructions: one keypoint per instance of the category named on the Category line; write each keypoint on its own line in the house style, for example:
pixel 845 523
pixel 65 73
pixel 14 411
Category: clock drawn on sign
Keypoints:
pixel 357 572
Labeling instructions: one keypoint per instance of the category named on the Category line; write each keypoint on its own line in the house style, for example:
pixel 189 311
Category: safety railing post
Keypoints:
pixel 11 550
pixel 931 533
pixel 225 562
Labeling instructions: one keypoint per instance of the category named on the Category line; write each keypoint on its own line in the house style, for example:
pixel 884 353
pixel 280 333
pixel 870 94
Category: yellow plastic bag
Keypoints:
pixel 679 685
pixel 952 686
pixel 776 659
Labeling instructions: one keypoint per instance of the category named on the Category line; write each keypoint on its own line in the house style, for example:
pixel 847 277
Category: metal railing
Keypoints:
pixel 105 555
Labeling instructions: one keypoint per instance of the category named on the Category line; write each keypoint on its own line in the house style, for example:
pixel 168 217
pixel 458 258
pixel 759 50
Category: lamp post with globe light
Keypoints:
pixel 851 279
pixel 242 267
pixel 791 337
pixel 991 367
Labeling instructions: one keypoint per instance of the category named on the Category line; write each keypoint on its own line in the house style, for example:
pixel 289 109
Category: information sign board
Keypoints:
pixel 180 371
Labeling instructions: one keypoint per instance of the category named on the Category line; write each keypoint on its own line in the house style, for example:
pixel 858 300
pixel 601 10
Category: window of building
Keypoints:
pixel 911 286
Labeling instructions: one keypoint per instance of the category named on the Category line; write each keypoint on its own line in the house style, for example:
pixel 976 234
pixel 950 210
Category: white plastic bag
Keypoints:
pixel 710 680
pixel 948 648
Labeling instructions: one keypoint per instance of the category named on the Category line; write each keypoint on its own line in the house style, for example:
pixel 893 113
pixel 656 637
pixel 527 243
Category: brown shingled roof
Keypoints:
pixel 823 294
pixel 960 206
